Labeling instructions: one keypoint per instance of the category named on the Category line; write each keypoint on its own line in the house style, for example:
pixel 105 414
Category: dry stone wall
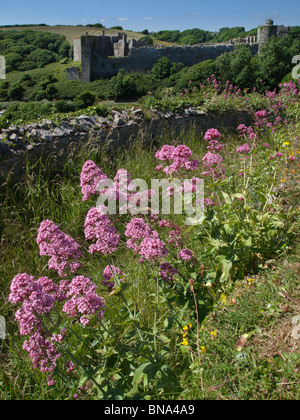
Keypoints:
pixel 24 144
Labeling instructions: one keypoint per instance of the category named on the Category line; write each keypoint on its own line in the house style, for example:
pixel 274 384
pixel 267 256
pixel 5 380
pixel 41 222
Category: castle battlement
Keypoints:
pixel 104 56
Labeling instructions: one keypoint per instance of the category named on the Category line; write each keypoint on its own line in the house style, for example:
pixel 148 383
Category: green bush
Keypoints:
pixel 85 99
pixel 27 111
pixel 15 92
pixel 121 86
pixel 26 49
pixel 64 106
pixel 162 68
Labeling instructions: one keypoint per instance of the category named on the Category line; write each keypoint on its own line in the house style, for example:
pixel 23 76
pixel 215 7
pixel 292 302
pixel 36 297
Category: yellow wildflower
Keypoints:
pixel 184 342
pixel 185 328
pixel 213 333
pixel 203 349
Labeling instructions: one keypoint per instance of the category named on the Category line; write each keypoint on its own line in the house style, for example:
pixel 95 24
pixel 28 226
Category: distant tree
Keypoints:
pixel 147 40
pixel 117 27
pixel 121 86
pixel 162 68
pixel 64 50
pixel 275 59
pixel 16 92
pixel 145 32
pixel 237 66
pixel 42 57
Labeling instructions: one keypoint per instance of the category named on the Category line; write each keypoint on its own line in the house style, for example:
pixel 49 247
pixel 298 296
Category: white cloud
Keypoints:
pixel 192 14
pixel 122 18
pixel 148 18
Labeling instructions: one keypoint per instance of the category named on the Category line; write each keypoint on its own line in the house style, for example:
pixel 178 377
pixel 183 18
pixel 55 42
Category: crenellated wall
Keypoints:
pixel 143 59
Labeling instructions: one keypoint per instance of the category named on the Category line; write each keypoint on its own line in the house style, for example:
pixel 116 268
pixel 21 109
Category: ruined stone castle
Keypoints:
pixel 103 56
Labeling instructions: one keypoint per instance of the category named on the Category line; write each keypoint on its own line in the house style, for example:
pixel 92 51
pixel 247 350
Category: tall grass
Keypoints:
pixel 51 193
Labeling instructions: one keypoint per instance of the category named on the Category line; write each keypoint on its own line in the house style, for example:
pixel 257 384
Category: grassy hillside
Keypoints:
pixel 70 32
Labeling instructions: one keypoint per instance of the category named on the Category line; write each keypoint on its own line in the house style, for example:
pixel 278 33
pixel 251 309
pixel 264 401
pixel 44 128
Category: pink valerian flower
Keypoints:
pixel 291 158
pixel 159 168
pixel 177 157
pixel 21 287
pixel 152 248
pixel 167 272
pixel 37 298
pixel 212 163
pixel 245 148
pixel 214 145
pixel 261 114
pixel 279 154
pixel 182 152
pixel 192 165
pixel 212 159
pixel 185 254
pixel 144 240
pixel 63 250
pixel 98 227
pixel 43 353
pixel 175 234
pixel 84 300
pixel 242 128
pixel 137 228
pixel 109 274
pixel 165 153
pixel 209 202
pixel 90 177
pixel 266 145
pixel 212 134
pixel 70 367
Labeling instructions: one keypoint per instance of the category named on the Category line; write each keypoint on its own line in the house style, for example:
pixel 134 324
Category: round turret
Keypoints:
pixel 269 22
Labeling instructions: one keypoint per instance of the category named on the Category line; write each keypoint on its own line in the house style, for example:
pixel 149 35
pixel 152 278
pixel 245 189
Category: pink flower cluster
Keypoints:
pixel 98 227
pixel 37 298
pixel 185 254
pixel 246 131
pixel 211 136
pixel 244 148
pixel 84 300
pixel 109 273
pixel 177 157
pixel 62 249
pixel 212 162
pixel 143 240
pixel 175 234
pixel 90 177
pixel 167 272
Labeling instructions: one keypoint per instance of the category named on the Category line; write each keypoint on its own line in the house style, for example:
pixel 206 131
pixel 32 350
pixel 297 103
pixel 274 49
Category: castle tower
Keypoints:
pixel 268 30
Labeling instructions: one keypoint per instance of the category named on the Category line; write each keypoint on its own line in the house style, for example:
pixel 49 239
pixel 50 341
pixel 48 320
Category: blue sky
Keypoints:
pixel 153 15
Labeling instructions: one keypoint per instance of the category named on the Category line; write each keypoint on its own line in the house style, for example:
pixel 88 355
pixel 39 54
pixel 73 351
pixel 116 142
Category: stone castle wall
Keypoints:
pixel 143 59
pixel 103 56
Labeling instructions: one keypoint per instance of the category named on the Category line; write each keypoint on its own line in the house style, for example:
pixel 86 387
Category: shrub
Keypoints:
pixel 85 99
pixel 16 92
pixel 64 106
pixel 121 86
pixel 162 68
